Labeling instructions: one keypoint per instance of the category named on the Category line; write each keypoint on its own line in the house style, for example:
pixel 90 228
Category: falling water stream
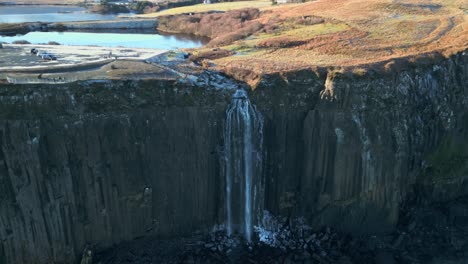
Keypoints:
pixel 243 164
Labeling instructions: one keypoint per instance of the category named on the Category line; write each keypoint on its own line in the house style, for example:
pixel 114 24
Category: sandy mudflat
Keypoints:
pixel 15 58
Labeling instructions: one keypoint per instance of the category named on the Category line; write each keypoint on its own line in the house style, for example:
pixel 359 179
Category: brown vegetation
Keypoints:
pixel 223 28
pixel 108 8
pixel 149 10
pixel 210 54
pixel 359 35
pixel 60 27
pixel 13 29
pixel 281 42
pixel 21 42
pixel 306 20
pixel 242 33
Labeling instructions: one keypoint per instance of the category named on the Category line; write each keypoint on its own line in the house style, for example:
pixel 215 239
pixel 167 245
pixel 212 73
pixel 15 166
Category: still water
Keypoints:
pixel 153 41
pixel 48 13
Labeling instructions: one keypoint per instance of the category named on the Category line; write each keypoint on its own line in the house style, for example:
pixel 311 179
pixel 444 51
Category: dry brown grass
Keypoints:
pixel 202 8
pixel 210 25
pixel 209 54
pixel 222 28
pixel 385 34
pixel 280 42
pixel 353 33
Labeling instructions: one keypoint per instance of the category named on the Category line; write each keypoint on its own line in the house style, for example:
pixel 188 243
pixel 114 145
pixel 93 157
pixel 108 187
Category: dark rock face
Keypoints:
pixel 432 233
pixel 70 179
pixel 347 154
pixel 104 162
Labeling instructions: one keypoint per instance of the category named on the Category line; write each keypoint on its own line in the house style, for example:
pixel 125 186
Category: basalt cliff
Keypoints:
pixel 95 163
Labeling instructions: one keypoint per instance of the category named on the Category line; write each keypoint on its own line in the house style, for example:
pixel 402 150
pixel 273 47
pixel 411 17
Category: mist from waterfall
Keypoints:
pixel 243 165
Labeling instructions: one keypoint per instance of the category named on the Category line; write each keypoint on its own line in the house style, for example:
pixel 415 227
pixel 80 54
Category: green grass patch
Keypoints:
pixel 300 32
pixel 315 30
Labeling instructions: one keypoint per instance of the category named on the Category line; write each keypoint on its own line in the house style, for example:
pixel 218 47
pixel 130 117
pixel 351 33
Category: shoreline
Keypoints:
pixel 42 3
pixel 73 56
pixel 8 29
pixel 75 63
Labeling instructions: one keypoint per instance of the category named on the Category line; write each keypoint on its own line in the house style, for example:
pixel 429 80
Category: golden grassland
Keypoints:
pixel 342 33
pixel 225 6
pixel 321 33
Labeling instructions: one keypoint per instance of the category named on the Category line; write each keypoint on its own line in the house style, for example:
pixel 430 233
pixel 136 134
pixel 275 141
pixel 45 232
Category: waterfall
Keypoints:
pixel 243 165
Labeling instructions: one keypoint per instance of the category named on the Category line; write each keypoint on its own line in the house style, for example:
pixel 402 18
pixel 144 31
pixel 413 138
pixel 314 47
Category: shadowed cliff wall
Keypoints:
pixel 101 162
pixel 345 150
pixel 105 162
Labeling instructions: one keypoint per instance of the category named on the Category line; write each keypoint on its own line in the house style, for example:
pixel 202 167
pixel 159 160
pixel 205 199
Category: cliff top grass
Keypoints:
pixel 224 6
pixel 328 33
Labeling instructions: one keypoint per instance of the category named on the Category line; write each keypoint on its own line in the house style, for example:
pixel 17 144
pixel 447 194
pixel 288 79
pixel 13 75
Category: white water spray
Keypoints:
pixel 243 165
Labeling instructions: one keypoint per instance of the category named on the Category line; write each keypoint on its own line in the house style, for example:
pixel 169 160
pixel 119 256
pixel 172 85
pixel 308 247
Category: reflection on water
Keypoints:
pixel 154 41
pixel 48 13
pixel 177 36
pixel 187 37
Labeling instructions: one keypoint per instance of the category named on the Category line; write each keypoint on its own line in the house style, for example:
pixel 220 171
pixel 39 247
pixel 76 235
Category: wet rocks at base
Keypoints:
pixel 434 233
pixel 325 246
